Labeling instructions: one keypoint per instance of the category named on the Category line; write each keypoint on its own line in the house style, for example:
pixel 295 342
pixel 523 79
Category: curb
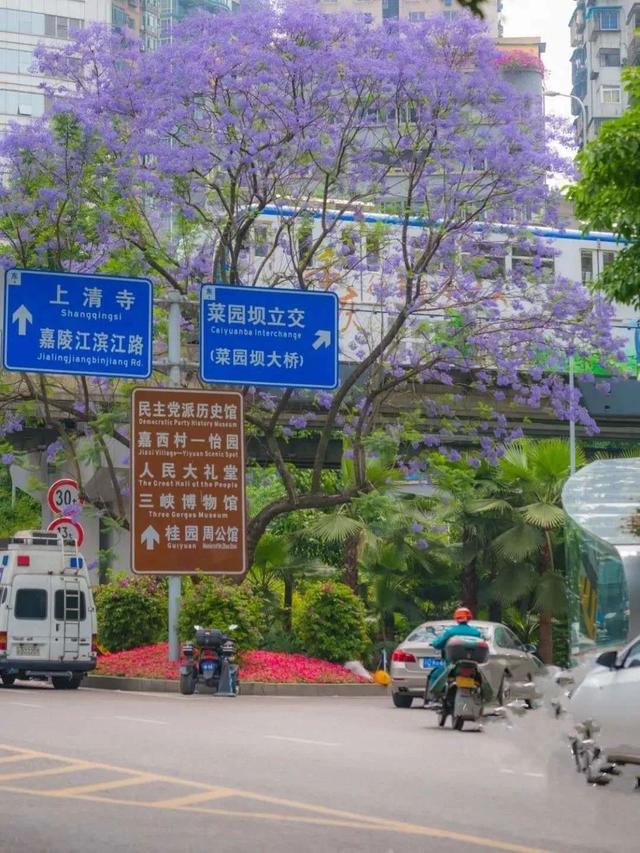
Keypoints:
pixel 247 688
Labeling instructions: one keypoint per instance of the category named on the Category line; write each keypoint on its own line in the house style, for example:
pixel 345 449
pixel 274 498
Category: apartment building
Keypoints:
pixel 605 36
pixel 376 11
pixel 25 23
pixel 172 11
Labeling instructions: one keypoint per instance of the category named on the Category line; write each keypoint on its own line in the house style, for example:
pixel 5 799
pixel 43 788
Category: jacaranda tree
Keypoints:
pixel 161 164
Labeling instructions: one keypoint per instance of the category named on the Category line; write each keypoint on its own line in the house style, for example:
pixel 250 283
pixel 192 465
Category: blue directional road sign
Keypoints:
pixel 264 336
pixel 81 324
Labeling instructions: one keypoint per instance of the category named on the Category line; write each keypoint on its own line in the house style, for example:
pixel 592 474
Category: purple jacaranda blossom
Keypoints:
pixel 416 527
pixel 422 544
pixel 53 449
pixel 8 458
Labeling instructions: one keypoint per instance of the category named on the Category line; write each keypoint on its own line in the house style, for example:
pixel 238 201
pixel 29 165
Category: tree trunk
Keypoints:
pixel 287 604
pixel 495 611
pixel 350 556
pixel 469 587
pixel 545 647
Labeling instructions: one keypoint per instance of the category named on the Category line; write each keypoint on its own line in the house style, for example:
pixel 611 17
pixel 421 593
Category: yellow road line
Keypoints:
pixel 139 779
pixel 50 771
pixel 9 759
pixel 326 816
pixel 192 799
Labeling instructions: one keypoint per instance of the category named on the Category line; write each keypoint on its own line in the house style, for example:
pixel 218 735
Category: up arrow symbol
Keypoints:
pixel 150 537
pixel 22 316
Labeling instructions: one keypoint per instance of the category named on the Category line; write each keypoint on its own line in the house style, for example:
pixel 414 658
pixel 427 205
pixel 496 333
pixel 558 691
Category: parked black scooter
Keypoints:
pixel 210 661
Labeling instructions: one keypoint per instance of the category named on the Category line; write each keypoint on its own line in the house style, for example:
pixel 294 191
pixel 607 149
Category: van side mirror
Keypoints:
pixel 608 659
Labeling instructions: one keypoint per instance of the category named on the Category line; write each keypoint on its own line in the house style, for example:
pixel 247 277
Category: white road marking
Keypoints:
pixel 522 773
pixel 25 704
pixel 301 740
pixel 141 720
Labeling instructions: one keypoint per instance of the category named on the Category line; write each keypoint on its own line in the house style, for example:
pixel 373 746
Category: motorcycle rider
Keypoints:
pixel 435 681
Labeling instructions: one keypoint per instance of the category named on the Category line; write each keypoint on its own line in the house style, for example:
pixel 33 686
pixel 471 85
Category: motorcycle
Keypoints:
pixel 209 661
pixel 465 689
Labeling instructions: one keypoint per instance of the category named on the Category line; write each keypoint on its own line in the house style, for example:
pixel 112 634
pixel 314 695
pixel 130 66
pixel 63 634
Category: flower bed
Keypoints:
pixel 258 665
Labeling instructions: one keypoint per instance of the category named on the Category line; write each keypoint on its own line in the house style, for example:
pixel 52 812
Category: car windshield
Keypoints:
pixel 427 633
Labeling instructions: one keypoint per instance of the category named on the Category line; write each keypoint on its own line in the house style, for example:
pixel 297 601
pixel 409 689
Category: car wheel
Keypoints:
pixel 8 679
pixel 402 700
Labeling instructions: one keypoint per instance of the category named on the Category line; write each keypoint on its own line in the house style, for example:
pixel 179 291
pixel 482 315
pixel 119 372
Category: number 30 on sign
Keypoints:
pixel 63 494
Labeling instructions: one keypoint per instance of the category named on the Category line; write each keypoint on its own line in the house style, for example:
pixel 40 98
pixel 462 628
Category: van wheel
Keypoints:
pixel 8 679
pixel 63 682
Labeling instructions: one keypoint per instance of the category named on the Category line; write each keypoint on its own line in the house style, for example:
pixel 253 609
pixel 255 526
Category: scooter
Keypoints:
pixel 465 689
pixel 209 661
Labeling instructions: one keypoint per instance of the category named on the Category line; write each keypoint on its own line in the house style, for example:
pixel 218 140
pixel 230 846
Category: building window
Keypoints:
pixel 607 19
pixel 610 94
pixel 262 241
pixel 15 61
pixel 21 103
pixel 609 57
pixel 586 266
pixel 415 17
pixel 608 258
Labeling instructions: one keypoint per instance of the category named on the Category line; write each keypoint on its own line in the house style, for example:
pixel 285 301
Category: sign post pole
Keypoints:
pixel 173 354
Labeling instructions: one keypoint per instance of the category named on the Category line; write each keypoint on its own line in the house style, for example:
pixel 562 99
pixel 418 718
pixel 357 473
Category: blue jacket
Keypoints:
pixel 462 629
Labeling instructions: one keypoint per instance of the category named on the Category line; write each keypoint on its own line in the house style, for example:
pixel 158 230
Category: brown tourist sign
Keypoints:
pixel 187 482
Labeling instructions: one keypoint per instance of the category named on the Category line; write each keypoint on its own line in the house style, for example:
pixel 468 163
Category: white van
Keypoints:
pixel 47 614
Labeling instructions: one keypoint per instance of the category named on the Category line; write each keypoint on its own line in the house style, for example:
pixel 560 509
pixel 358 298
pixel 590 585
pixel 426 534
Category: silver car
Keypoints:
pixel 510 669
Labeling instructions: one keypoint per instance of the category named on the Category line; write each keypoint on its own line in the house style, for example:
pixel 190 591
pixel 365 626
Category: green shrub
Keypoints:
pixel 131 612
pixel 215 603
pixel 331 622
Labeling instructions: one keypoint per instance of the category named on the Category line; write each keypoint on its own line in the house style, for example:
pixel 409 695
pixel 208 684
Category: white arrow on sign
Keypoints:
pixel 22 316
pixel 150 537
pixel 323 339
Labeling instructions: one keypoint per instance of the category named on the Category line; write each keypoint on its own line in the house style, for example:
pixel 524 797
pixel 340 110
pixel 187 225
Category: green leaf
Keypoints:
pixel 336 527
pixel 551 593
pixel 489 505
pixel 543 515
pixel 519 542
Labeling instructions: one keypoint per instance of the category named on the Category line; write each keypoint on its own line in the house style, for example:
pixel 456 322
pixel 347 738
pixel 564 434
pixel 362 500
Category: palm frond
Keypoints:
pixel 519 542
pixel 488 505
pixel 336 528
pixel 513 582
pixel 551 593
pixel 543 515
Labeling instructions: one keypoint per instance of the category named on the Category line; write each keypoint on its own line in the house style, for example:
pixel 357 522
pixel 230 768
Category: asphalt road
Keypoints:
pixel 94 771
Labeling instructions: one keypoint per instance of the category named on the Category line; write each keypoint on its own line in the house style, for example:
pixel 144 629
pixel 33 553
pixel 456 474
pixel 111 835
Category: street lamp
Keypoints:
pixel 583 109
pixel 572 423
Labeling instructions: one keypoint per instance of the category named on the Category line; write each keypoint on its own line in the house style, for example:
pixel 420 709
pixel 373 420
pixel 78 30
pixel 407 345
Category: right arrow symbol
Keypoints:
pixel 150 537
pixel 22 316
pixel 323 339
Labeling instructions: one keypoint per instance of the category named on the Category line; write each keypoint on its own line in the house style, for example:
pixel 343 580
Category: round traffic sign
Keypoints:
pixel 69 529
pixel 62 494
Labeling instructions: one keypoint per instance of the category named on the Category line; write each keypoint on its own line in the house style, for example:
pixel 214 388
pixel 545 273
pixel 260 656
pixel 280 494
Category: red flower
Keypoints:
pixel 257 665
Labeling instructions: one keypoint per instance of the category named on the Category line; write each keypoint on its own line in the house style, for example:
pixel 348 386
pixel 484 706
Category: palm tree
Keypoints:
pixel 527 495
pixel 276 559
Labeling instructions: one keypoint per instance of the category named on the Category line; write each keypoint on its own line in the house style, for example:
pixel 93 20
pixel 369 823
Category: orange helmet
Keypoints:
pixel 463 614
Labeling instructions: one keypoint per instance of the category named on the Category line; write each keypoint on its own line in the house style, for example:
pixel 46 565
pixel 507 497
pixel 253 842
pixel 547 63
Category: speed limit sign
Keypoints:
pixel 63 494
pixel 69 529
